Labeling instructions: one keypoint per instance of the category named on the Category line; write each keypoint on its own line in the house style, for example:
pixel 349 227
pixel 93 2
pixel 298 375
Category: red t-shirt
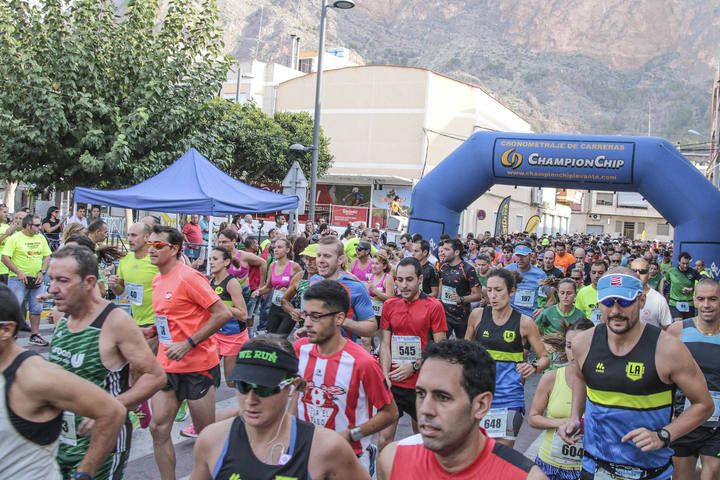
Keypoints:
pixel 414 322
pixel 183 296
pixel 192 232
pixel 342 389
pixel 496 462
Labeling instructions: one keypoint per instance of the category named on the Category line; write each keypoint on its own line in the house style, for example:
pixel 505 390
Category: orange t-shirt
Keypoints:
pixel 564 262
pixel 182 298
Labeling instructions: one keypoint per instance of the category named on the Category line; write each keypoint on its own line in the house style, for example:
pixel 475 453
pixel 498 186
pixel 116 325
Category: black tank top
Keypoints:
pixel 503 342
pixel 237 459
pixel 222 291
pixel 42 433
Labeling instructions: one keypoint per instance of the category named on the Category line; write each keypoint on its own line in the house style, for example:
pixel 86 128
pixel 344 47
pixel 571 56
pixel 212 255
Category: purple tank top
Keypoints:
pixel 380 286
pixel 362 274
pixel 239 273
pixel 282 280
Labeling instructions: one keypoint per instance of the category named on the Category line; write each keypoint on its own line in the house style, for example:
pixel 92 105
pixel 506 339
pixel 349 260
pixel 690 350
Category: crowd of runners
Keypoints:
pixel 331 339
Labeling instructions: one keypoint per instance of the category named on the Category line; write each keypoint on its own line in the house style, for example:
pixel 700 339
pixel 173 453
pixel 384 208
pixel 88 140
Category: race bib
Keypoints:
pixel 68 435
pixel 276 296
pixel 377 307
pixel 525 298
pixel 596 316
pixel 448 295
pixel 565 453
pixel 125 307
pixel 495 422
pixel 682 307
pixel 163 330
pixel 716 407
pixel 134 293
pixel 406 349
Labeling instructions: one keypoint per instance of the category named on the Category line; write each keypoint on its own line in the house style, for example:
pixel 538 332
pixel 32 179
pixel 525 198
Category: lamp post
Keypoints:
pixel 340 5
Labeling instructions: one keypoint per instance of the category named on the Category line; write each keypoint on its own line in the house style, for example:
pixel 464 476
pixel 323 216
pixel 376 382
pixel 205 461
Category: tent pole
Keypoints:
pixel 209 242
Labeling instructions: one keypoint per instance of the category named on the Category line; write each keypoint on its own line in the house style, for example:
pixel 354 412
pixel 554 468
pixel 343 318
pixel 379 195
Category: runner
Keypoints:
pixel 625 374
pixel 577 276
pixel 35 396
pixel 242 261
pixel 587 298
pixel 101 343
pixel 682 282
pixel 233 335
pixel 548 265
pixel 655 277
pixel 381 285
pixel 267 442
pixel 553 318
pixel 346 390
pixel 563 259
pixel 655 311
pixel 300 283
pixel 7 228
pixel 702 337
pixel 459 287
pixel 362 266
pixel 526 298
pixel 187 313
pixel 550 408
pixel 454 392
pixel 503 331
pixel 407 323
pixel 281 272
pixel 421 252
pixel 26 254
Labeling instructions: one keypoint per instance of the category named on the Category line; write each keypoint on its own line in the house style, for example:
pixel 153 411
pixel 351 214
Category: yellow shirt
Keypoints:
pixel 138 276
pixel 3 228
pixel 26 252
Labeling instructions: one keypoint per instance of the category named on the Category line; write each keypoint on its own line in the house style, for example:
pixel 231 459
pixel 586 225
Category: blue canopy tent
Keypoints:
pixel 191 185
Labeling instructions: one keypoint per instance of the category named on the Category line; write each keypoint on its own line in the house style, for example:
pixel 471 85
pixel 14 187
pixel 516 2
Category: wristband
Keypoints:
pixel 355 434
pixel 191 342
pixel 82 476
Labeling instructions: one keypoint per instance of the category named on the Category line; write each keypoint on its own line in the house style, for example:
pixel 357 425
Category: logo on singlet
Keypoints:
pixel 509 336
pixel 76 360
pixel 219 290
pixel 486 334
pixel 600 367
pixel 635 370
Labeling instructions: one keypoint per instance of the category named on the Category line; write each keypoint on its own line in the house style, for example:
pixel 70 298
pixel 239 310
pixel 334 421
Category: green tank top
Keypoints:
pixel 553 450
pixel 79 353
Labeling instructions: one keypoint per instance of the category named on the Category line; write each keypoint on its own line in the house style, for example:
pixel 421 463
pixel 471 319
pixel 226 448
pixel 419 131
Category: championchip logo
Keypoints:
pixel 511 159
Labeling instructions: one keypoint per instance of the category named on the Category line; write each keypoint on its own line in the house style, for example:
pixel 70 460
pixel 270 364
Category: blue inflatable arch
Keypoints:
pixel 648 165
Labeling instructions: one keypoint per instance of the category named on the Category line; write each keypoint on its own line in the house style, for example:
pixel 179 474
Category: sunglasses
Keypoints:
pixel 316 316
pixel 38 225
pixel 157 245
pixel 610 302
pixel 641 272
pixel 262 391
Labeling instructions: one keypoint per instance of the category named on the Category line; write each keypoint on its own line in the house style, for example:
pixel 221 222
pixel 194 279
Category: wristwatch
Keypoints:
pixel 355 434
pixel 415 365
pixel 664 435
pixel 82 476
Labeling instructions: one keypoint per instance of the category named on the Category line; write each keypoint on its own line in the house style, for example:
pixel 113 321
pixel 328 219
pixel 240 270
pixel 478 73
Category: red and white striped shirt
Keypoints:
pixel 342 389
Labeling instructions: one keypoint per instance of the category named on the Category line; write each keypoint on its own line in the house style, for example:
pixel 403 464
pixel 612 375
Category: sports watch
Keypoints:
pixel 664 435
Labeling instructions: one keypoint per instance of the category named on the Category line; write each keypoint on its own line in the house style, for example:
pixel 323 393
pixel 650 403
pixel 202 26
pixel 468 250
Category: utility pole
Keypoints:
pixel 712 173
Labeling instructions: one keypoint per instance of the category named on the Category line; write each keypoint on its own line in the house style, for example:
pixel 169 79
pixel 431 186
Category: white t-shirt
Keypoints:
pixel 247 230
pixel 656 310
pixel 74 219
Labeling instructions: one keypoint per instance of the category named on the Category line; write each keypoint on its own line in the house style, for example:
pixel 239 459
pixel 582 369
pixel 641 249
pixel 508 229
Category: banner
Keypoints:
pixel 600 162
pixel 532 224
pixel 502 222
pixel 341 215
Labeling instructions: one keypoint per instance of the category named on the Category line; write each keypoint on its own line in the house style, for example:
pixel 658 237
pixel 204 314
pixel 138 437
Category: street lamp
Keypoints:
pixel 340 5
pixel 298 147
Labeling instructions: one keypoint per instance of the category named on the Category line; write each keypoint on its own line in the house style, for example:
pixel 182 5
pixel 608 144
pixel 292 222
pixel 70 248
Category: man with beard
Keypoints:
pixel 454 392
pixel 625 375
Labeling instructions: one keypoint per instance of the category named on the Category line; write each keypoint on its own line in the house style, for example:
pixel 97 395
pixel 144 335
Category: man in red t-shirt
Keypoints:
pixel 345 384
pixel 406 324
pixel 193 234
pixel 187 313
pixel 454 392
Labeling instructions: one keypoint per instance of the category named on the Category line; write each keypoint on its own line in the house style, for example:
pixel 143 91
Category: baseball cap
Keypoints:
pixel 522 250
pixel 363 246
pixel 619 285
pixel 310 251
pixel 263 364
pixel 540 256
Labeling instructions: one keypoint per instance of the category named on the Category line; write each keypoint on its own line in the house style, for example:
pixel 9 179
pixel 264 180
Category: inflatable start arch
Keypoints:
pixel 648 165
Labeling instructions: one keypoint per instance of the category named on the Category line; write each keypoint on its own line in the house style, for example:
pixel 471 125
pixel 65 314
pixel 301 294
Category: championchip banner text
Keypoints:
pixel 564 161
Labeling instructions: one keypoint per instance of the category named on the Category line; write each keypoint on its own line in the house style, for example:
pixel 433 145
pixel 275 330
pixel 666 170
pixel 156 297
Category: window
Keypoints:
pixel 663 229
pixel 519 223
pixel 306 65
pixel 603 198
pixel 618 226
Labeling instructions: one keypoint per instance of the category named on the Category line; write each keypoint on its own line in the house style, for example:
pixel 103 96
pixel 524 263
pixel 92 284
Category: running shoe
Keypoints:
pixel 189 432
pixel 143 413
pixel 36 339
pixel 183 412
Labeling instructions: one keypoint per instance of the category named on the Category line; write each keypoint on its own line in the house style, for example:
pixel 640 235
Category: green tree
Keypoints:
pixel 93 96
pixel 252 146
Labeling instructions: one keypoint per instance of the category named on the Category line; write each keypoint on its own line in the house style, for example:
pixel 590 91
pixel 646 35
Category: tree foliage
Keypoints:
pixel 93 96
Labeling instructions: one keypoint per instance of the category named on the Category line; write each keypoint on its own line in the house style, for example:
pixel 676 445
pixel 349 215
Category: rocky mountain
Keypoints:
pixel 585 66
